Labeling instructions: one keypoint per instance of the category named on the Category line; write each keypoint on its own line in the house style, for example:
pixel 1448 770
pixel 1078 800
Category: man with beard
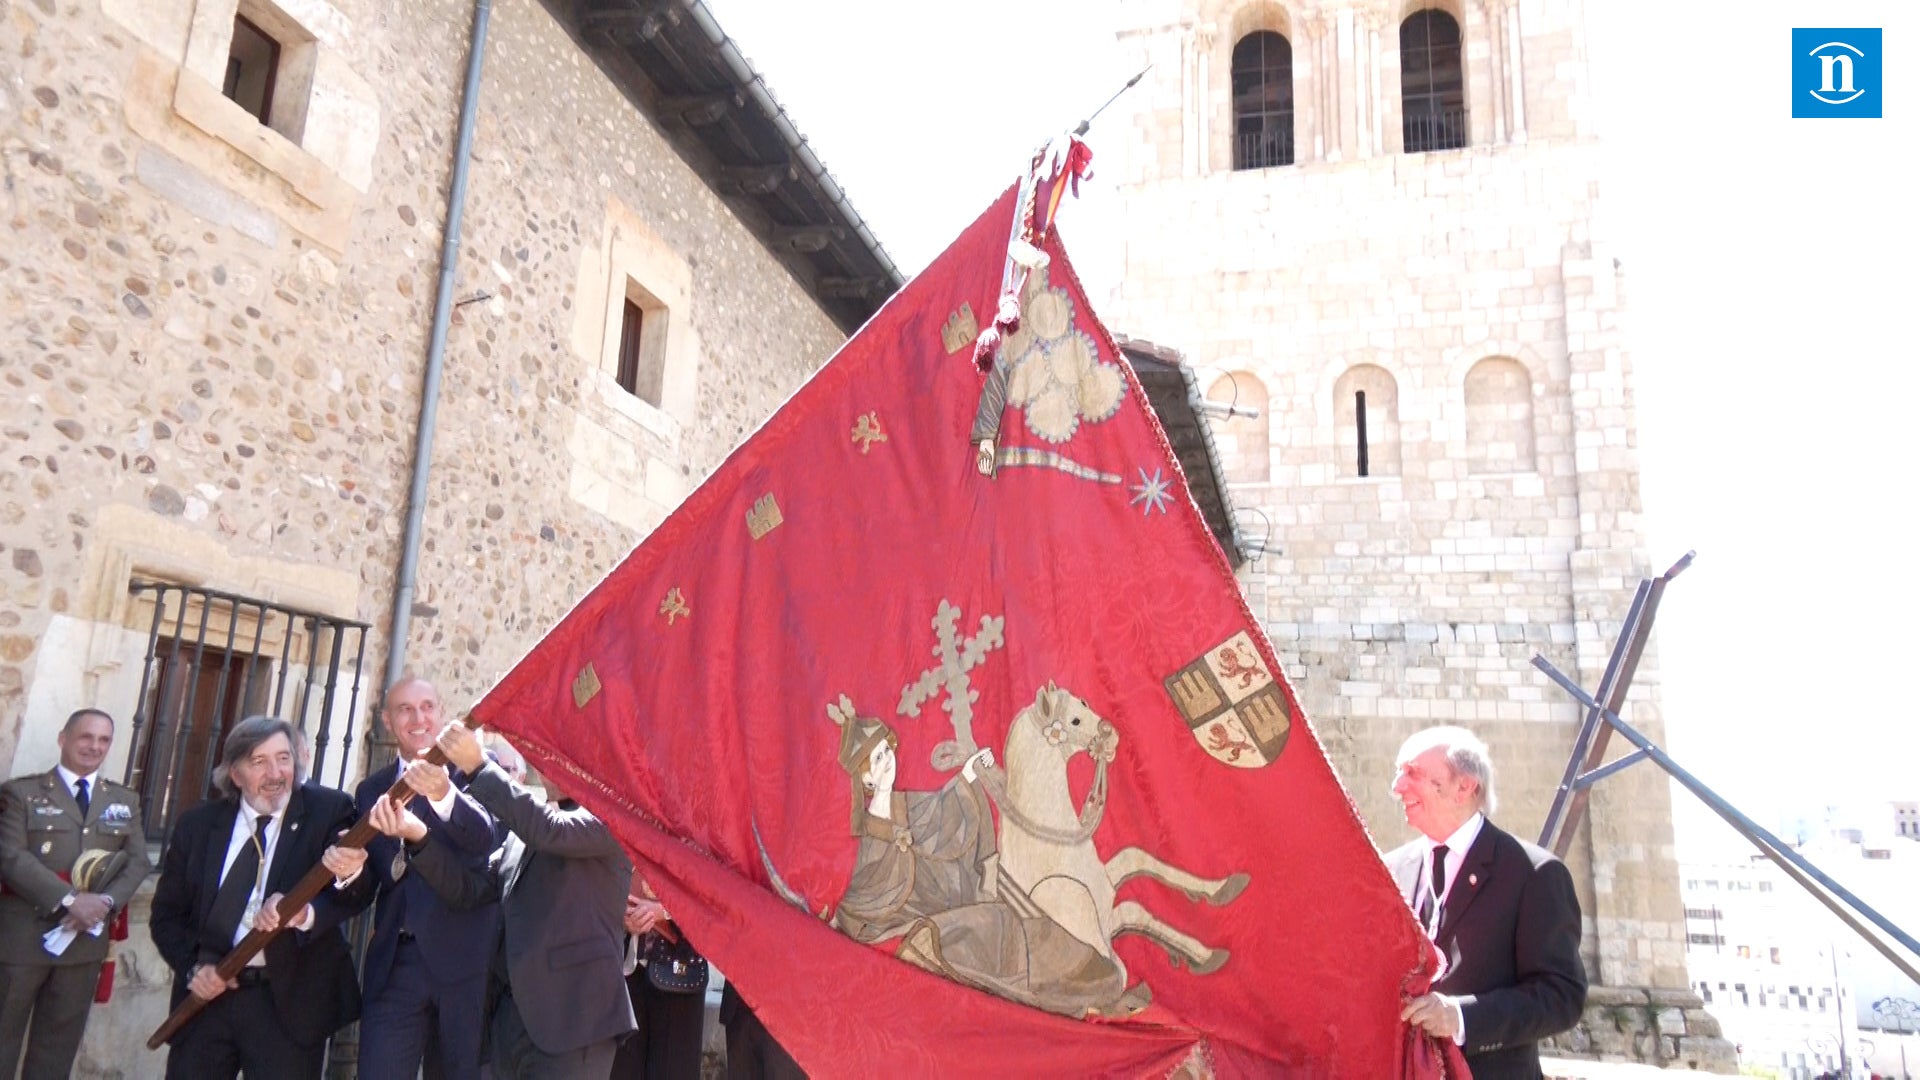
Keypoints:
pixel 228 865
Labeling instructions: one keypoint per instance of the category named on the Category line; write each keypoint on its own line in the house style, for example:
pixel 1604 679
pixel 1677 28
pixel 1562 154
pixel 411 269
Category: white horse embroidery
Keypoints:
pixel 1046 845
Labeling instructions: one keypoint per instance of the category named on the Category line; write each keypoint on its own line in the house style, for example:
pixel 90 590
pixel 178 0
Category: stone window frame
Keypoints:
pixel 1527 462
pixel 1212 377
pixel 643 268
pixel 109 624
pixel 1457 12
pixel 315 95
pixel 1285 152
pixel 1213 108
pixel 1344 467
pixel 1546 375
pixel 173 101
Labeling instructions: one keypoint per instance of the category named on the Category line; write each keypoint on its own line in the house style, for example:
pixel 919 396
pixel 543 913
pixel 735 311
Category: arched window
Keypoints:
pixel 1366 414
pixel 1262 101
pixel 1433 99
pixel 1499 396
pixel 1246 448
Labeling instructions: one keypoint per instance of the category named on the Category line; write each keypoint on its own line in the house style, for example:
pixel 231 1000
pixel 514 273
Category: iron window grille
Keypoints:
pixel 214 658
pixel 1433 100
pixel 1262 101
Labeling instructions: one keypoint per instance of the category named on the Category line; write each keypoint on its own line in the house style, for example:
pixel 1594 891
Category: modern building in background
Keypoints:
pixel 1790 983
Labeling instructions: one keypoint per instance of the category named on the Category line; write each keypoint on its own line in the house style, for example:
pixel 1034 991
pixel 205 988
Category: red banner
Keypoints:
pixel 958 773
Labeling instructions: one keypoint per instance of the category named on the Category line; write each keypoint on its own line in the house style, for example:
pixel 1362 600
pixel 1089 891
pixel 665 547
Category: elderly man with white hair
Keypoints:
pixel 1501 911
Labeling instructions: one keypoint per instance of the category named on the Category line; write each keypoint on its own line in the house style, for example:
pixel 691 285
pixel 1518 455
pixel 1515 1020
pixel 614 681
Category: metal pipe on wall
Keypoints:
pixel 436 352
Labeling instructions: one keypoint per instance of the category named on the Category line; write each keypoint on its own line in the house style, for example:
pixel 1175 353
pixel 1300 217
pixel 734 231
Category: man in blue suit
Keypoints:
pixel 425 982
pixel 558 1005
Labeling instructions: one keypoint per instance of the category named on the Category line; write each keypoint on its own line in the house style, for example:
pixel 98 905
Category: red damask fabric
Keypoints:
pixel 1157 867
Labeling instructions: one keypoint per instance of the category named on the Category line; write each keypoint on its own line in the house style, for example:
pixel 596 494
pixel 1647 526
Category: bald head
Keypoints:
pixel 412 713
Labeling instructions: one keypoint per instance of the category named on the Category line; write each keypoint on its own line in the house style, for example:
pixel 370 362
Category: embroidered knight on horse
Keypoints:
pixel 1028 910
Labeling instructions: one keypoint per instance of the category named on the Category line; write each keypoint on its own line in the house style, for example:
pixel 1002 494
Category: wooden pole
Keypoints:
pixel 310 886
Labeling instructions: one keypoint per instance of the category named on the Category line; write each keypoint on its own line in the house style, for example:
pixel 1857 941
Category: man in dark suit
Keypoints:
pixel 557 1002
pixel 275 1018
pixel 425 984
pixel 49 822
pixel 1502 912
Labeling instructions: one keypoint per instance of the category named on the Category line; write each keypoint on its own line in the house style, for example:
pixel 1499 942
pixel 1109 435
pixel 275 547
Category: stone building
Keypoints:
pixel 1378 227
pixel 224 224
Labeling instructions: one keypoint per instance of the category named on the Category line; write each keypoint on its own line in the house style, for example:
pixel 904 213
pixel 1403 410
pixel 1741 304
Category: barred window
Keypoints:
pixel 1262 101
pixel 1433 100
pixel 214 659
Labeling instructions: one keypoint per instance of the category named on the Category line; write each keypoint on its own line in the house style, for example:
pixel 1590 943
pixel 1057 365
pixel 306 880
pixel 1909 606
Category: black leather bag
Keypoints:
pixel 674 967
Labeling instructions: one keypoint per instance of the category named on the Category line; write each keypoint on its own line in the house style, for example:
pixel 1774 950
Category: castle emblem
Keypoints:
pixel 1235 709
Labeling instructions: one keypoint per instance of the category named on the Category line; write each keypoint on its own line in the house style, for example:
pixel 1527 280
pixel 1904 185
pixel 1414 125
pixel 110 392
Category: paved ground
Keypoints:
pixel 1565 1069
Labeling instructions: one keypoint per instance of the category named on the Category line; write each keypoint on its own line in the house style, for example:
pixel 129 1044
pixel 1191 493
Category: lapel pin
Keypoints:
pixel 293 826
pixel 1473 879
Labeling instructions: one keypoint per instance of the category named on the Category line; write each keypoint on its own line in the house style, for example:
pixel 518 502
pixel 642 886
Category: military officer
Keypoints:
pixel 48 822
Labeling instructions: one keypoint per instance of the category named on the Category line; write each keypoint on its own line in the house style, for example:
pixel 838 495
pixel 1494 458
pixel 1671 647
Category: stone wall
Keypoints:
pixel 1471 295
pixel 212 340
pixel 1670 1028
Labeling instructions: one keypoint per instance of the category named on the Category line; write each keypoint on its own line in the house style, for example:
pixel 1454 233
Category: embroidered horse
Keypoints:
pixel 1046 845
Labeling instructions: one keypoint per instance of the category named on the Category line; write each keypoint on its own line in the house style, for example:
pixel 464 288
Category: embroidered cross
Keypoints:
pixel 956 656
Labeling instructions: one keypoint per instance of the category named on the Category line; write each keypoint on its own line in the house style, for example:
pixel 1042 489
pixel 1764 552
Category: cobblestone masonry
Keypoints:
pixel 212 340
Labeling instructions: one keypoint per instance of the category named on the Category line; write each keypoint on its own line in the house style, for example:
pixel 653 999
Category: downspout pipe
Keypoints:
pixel 436 352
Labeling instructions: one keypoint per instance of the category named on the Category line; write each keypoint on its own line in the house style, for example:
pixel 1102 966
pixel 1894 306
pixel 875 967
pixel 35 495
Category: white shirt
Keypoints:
pixel 242 838
pixel 1457 845
pixel 72 781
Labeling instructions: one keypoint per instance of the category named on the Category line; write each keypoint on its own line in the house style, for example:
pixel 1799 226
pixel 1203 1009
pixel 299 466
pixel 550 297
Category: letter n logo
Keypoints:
pixel 1836 72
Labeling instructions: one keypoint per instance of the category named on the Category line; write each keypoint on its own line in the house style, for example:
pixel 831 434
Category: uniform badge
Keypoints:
pixel 46 848
pixel 116 813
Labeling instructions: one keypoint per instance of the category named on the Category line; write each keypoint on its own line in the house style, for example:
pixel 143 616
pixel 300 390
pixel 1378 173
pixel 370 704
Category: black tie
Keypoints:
pixel 80 795
pixel 230 903
pixel 1439 882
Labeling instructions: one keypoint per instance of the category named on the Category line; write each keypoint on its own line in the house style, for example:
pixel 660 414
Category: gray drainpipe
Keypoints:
pixel 436 351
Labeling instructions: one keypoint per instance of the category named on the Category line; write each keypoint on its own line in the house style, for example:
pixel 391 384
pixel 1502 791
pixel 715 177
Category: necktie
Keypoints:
pixel 80 796
pixel 1438 887
pixel 230 903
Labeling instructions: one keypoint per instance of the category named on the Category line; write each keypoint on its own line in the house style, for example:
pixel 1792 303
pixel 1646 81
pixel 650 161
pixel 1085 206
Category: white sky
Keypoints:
pixel 1773 299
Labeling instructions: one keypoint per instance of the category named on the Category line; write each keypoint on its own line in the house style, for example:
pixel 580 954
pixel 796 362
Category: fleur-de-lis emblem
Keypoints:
pixel 867 431
pixel 674 606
